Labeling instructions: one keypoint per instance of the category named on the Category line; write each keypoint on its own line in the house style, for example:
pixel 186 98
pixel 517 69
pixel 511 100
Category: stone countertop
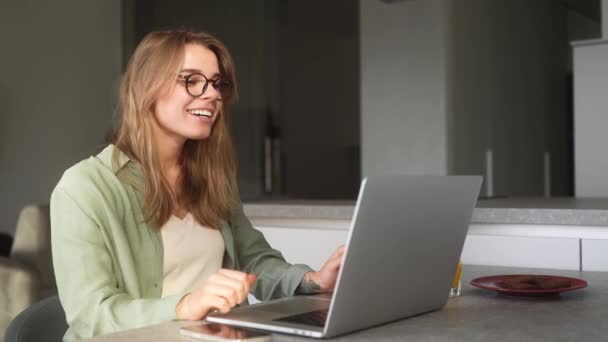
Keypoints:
pixel 476 315
pixel 513 210
pixel 588 42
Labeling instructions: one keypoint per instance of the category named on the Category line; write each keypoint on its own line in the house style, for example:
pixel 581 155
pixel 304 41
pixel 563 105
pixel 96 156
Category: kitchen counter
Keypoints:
pixel 526 211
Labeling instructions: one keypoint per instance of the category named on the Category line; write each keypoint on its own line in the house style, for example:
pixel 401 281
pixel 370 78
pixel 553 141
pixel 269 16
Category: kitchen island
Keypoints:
pixel 555 233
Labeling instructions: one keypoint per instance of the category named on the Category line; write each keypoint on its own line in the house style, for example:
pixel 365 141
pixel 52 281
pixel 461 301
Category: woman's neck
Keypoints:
pixel 171 169
pixel 169 148
pixel 172 175
pixel 168 155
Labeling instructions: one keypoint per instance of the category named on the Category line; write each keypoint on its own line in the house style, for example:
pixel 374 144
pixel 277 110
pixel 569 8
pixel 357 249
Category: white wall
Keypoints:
pixel 403 87
pixel 60 64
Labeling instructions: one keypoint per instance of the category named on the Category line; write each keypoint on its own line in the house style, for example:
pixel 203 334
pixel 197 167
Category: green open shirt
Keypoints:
pixel 109 263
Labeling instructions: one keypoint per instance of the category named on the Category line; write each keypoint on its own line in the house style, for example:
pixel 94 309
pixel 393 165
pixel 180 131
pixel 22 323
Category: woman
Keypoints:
pixel 151 229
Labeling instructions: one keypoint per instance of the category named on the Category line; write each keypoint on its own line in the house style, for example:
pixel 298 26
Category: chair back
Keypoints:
pixel 32 245
pixel 43 321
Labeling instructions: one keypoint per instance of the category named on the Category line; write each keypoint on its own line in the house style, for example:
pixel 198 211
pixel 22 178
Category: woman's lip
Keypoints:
pixel 202 117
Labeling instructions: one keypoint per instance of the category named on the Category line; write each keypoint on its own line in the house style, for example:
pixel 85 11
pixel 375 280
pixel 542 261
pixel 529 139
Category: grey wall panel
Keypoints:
pixel 60 66
pixel 591 119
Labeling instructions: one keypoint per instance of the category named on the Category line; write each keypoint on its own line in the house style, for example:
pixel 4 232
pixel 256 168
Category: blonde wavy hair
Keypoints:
pixel 207 186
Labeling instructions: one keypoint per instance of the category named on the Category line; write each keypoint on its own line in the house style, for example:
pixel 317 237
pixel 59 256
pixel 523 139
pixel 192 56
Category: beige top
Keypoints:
pixel 192 253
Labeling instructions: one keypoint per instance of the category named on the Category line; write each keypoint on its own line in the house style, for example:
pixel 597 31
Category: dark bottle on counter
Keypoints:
pixel 272 156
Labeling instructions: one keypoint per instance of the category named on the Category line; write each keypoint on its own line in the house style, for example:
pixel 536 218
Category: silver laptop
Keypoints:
pixel 405 240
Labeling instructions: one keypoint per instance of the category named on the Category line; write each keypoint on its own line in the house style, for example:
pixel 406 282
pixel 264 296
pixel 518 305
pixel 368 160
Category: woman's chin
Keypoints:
pixel 201 135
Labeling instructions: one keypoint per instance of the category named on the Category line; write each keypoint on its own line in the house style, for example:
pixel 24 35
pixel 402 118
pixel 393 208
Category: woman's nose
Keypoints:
pixel 211 93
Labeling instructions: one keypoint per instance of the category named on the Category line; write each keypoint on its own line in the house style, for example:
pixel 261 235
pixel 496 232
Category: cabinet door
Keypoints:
pixel 305 246
pixel 535 252
pixel 590 120
pixel 594 255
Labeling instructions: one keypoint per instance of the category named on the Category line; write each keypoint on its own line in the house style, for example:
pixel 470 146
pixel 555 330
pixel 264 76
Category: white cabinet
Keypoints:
pixel 516 251
pixel 594 254
pixel 535 246
pixel 307 246
pixel 304 246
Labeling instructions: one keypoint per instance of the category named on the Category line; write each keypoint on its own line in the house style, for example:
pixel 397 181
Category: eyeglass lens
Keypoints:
pixel 196 85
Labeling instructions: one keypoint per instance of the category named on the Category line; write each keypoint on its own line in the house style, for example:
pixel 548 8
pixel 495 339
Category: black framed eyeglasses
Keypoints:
pixel 196 84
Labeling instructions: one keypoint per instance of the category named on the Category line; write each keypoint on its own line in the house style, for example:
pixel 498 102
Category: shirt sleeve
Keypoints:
pixel 276 278
pixel 86 281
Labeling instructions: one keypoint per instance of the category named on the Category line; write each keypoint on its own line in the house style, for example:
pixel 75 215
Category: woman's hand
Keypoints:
pixel 326 276
pixel 222 291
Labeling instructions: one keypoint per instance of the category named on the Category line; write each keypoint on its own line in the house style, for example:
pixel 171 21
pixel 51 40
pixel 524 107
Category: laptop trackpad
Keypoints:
pixel 295 305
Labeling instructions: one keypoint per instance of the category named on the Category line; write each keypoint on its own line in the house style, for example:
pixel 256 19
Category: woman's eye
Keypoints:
pixel 221 85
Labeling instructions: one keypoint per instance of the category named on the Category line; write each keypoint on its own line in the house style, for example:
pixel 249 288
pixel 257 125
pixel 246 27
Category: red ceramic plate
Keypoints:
pixel 528 285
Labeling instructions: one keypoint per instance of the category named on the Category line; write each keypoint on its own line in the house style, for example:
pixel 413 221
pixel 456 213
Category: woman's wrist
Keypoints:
pixel 310 281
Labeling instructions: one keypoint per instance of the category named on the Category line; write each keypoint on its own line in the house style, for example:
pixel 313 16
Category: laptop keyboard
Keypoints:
pixel 316 318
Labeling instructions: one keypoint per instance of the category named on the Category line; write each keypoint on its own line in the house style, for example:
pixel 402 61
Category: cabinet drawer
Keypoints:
pixel 595 255
pixel 535 252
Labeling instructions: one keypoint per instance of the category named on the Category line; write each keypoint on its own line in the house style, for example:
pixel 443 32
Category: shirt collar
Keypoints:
pixel 106 155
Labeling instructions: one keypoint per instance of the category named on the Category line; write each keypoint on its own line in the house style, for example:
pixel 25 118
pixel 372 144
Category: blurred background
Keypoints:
pixel 330 91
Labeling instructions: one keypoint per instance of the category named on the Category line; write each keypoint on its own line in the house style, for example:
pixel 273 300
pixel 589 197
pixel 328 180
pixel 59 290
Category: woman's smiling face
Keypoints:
pixel 181 116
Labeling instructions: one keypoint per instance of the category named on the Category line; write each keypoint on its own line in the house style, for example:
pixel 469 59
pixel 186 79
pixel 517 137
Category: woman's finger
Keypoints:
pixel 245 280
pixel 226 293
pixel 229 294
pixel 241 288
pixel 251 278
pixel 218 303
pixel 338 252
pixel 336 257
pixel 333 264
pixel 236 275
